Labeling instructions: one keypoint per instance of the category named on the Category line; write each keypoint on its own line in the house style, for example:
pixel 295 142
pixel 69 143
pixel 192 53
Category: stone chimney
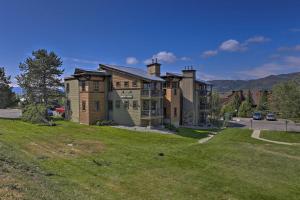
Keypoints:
pixel 154 68
pixel 189 72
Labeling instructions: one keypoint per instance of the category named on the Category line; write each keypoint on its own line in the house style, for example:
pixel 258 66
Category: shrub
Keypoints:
pixel 105 123
pixel 171 127
pixel 36 113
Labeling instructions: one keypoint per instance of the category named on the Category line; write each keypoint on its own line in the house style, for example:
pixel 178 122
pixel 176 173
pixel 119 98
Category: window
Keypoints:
pixel 68 88
pixel 97 106
pixel 118 84
pixel 135 104
pixel 96 85
pixel 110 105
pixel 118 103
pixel 175 112
pixel 174 85
pixel 126 84
pixel 175 91
pixel 134 84
pixel 83 105
pixel 126 104
pixel 83 86
pixel 165 91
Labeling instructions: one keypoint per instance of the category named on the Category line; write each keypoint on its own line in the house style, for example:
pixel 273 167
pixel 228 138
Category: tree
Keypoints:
pixel 245 109
pixel 249 98
pixel 40 77
pixel 7 97
pixel 286 99
pixel 263 104
pixel 216 105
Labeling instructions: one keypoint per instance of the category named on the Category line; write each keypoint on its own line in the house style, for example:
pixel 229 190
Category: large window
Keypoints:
pixel 126 104
pixel 67 87
pixel 96 85
pixel 134 84
pixel 82 86
pixel 118 103
pixel 135 104
pixel 110 105
pixel 126 84
pixel 118 84
pixel 83 105
pixel 97 106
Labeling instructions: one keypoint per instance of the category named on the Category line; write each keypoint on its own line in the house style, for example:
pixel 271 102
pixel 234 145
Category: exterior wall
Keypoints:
pixel 124 116
pixel 90 115
pixel 73 98
pixel 187 86
pixel 172 101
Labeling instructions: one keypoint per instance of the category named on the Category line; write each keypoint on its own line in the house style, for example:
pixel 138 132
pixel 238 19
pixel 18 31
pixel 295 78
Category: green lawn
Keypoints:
pixel 72 161
pixel 281 136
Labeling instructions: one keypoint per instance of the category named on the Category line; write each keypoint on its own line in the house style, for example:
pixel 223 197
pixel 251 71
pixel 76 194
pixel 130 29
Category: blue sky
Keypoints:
pixel 231 39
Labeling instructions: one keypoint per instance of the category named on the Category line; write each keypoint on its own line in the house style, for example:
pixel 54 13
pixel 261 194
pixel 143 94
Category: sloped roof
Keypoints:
pixel 79 71
pixel 132 71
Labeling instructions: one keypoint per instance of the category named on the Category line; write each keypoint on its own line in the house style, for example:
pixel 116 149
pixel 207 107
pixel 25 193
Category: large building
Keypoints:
pixel 134 97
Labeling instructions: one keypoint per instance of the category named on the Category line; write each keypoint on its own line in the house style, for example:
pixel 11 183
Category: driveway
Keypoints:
pixel 279 125
pixel 10 113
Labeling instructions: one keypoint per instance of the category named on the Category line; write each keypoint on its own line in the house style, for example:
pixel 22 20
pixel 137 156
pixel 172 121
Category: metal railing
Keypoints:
pixel 151 93
pixel 148 113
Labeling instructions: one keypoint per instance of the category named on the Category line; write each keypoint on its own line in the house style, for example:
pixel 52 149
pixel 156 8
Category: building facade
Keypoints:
pixel 134 97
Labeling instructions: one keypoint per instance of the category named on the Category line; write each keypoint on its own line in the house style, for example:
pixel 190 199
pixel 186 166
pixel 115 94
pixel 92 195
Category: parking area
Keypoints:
pixel 279 125
pixel 10 113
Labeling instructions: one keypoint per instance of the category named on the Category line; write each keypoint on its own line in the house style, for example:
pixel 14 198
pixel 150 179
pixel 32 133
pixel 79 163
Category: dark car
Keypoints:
pixel 271 117
pixel 49 112
pixel 257 116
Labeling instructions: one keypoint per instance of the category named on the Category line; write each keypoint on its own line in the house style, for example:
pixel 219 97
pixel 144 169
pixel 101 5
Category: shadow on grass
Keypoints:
pixel 194 133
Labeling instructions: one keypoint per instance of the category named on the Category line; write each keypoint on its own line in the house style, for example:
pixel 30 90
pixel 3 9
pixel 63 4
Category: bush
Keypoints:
pixel 171 127
pixel 105 123
pixel 36 113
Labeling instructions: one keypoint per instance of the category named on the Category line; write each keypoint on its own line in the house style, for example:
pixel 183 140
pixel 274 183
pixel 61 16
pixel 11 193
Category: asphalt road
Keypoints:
pixel 10 113
pixel 279 125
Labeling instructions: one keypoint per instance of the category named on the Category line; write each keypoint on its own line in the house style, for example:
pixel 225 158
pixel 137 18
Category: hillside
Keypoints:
pixel 255 84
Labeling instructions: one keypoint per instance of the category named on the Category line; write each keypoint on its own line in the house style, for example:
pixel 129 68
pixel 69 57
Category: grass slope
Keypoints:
pixel 86 162
pixel 281 136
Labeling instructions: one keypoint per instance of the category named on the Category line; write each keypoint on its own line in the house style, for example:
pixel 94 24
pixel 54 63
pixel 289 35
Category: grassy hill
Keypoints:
pixel 256 84
pixel 73 161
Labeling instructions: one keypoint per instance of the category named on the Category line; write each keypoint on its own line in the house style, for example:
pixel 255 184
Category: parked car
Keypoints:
pixel 257 116
pixel 271 117
pixel 49 112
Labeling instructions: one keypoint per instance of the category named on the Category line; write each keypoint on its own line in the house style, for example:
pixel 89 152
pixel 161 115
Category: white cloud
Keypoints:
pixel 163 56
pixel 294 48
pixel 209 53
pixel 82 61
pixel 257 39
pixel 131 60
pixel 285 65
pixel 233 45
pixel 185 58
pixel 295 29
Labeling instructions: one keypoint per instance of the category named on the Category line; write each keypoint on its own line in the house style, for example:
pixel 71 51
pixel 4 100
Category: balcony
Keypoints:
pixel 151 113
pixel 151 93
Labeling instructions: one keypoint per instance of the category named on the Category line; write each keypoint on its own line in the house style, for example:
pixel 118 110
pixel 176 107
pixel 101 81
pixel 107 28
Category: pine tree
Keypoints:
pixel 263 105
pixel 7 97
pixel 40 77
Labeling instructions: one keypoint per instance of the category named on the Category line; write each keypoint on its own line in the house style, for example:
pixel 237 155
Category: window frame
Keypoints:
pixel 83 106
pixel 126 104
pixel 96 86
pixel 126 84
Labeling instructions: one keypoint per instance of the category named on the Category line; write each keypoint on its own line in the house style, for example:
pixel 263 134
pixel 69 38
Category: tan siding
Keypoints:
pixel 73 97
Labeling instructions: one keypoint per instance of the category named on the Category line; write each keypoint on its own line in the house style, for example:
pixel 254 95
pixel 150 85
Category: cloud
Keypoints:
pixel 233 45
pixel 184 58
pixel 257 39
pixel 294 30
pixel 163 56
pixel 293 48
pixel 131 60
pixel 285 65
pixel 209 53
pixel 82 61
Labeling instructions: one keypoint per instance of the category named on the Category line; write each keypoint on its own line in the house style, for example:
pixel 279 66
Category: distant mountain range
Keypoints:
pixel 265 83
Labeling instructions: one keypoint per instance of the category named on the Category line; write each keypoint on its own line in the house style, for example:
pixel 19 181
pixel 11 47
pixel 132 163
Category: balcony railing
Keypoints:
pixel 151 93
pixel 153 113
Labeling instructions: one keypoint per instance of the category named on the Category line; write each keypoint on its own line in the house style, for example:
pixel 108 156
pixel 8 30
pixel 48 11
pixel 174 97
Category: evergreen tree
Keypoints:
pixel 249 98
pixel 263 105
pixel 7 97
pixel 40 77
pixel 286 99
pixel 216 105
pixel 245 109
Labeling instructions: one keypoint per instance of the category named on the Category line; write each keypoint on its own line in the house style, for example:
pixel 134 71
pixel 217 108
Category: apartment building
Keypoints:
pixel 134 97
pixel 187 100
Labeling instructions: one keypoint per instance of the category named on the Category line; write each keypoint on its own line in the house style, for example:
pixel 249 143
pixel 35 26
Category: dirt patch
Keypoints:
pixel 66 148
pixel 10 188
